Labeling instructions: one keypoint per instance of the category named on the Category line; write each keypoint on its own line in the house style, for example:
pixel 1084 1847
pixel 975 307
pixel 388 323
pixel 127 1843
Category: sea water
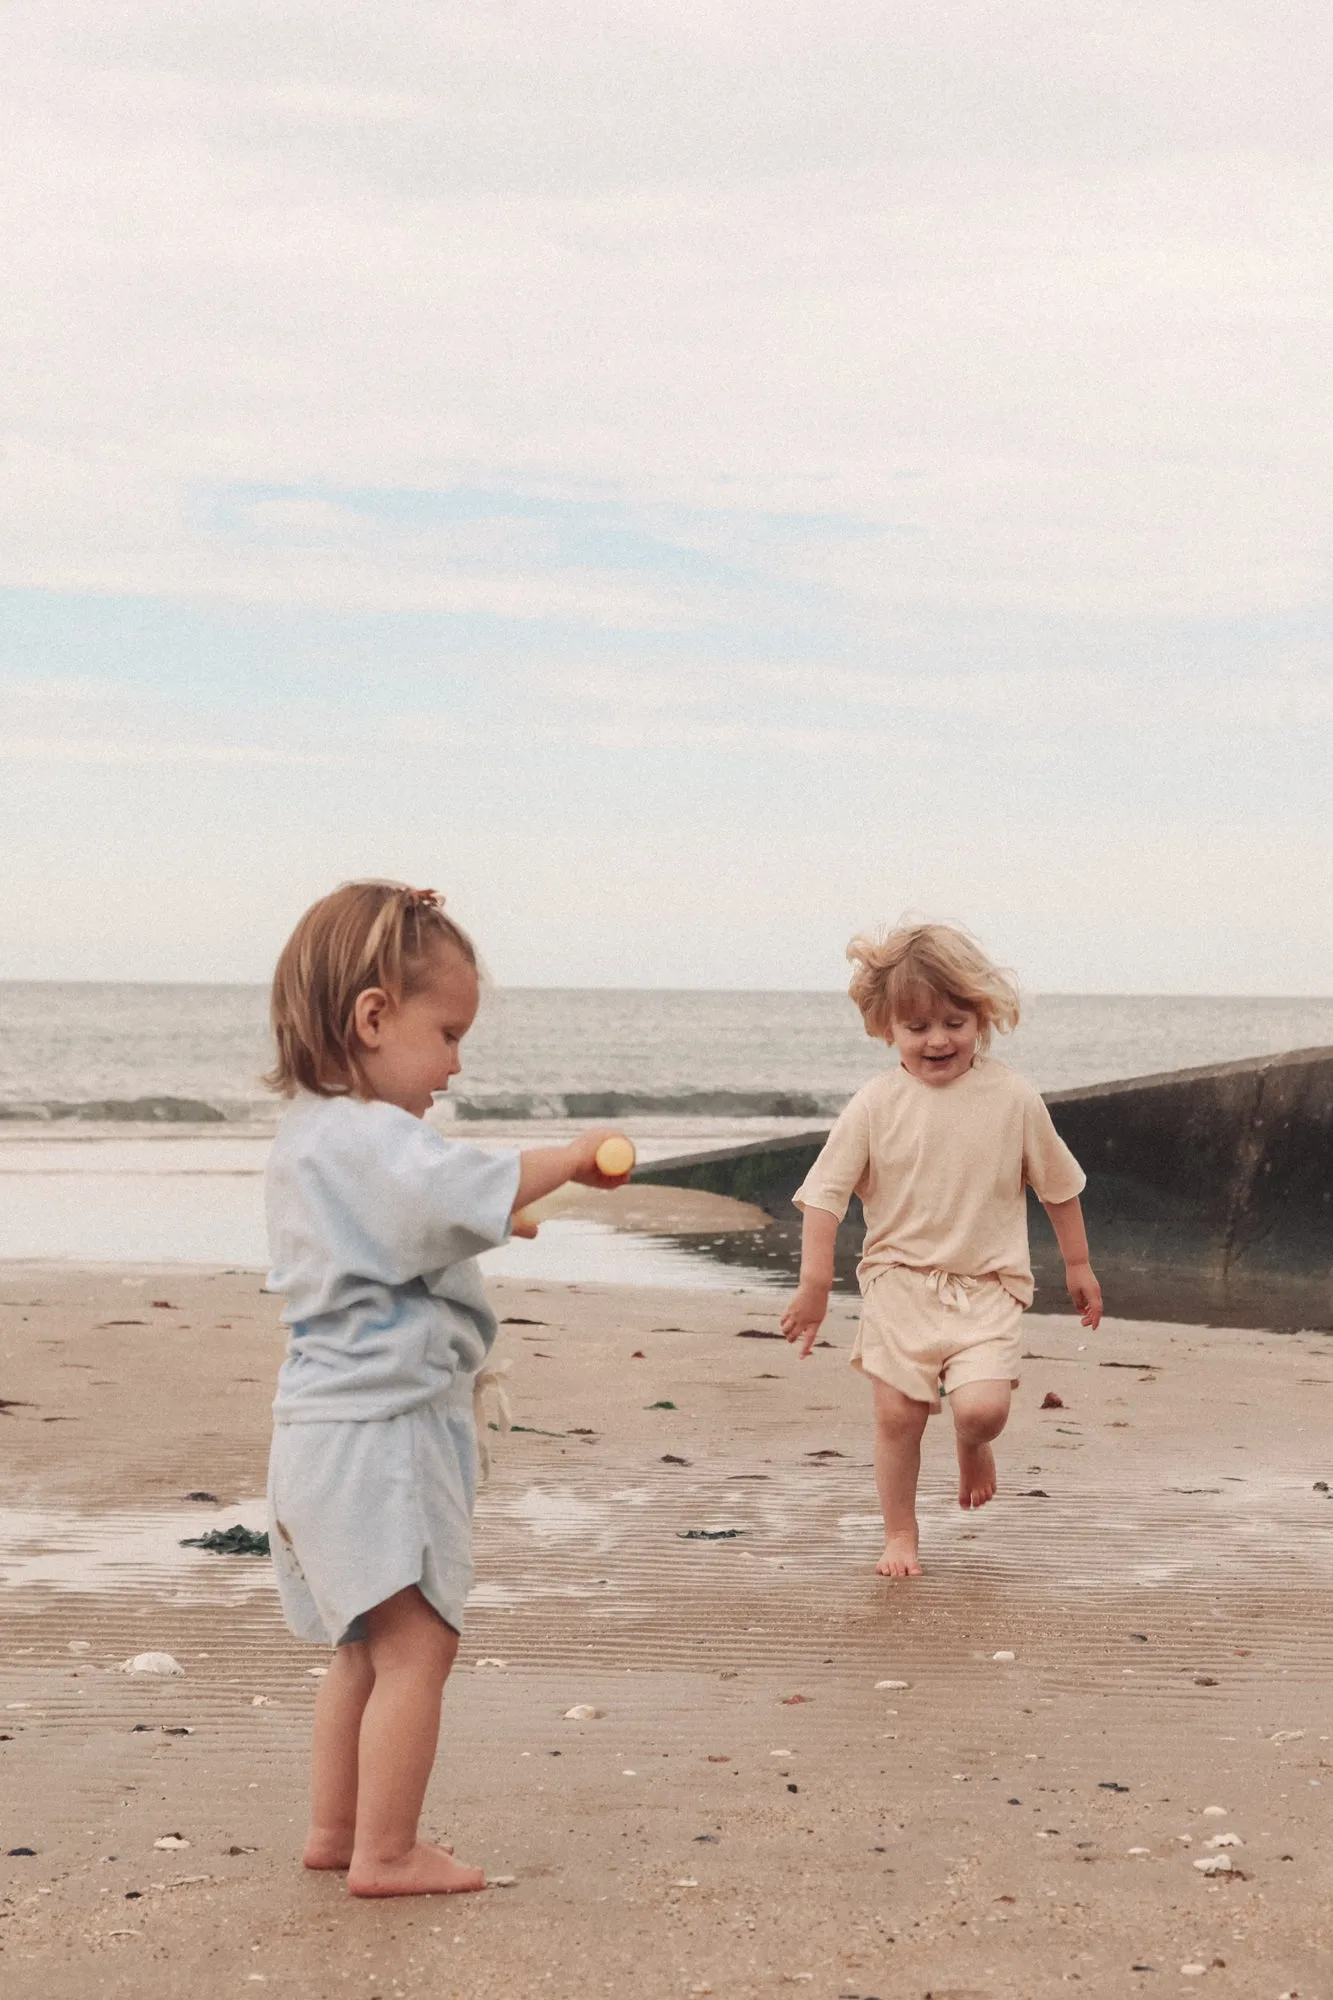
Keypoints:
pixel 134 1123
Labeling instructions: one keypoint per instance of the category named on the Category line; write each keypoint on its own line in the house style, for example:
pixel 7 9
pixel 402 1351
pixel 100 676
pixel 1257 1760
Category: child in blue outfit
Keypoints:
pixel 375 1222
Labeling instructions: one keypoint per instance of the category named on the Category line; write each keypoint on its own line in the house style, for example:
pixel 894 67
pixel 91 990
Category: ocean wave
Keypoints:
pixel 124 1111
pixel 517 1107
pixel 608 1104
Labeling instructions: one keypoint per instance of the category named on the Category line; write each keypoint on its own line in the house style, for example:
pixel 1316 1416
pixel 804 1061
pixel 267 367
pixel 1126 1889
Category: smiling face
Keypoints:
pixel 407 1050
pixel 936 1039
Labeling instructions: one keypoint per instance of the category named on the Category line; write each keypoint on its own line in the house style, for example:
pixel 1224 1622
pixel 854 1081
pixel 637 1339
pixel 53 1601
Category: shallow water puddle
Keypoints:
pixel 573 1251
pixel 555 1514
pixel 131 1549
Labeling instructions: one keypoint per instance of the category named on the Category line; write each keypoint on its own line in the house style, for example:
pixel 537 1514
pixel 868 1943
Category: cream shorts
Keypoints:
pixel 923 1328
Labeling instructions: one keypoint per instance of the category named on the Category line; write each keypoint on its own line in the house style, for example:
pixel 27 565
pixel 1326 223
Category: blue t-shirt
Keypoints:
pixel 374 1225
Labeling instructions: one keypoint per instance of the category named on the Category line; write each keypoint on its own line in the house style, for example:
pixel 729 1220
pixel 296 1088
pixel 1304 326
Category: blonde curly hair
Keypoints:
pixel 894 968
pixel 365 934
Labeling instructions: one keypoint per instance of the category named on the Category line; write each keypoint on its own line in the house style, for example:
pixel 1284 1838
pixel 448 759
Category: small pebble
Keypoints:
pixel 897 1686
pixel 582 1712
pixel 1005 1659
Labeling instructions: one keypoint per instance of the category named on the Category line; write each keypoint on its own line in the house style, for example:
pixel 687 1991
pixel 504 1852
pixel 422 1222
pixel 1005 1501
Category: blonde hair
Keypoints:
pixel 893 967
pixel 365 934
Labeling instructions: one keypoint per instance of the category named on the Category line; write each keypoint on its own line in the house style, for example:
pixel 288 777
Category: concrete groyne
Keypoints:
pixel 1210 1191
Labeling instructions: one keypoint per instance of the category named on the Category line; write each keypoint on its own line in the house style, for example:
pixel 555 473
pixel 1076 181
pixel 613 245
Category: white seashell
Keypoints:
pixel 1287 1736
pixel 171 1840
pixel 1005 1659
pixel 79 1646
pixel 1213 1864
pixel 1214 1812
pixel 1225 1840
pixel 152 1663
pixel 1138 1850
pixel 492 1663
pixel 1192 1971
pixel 581 1712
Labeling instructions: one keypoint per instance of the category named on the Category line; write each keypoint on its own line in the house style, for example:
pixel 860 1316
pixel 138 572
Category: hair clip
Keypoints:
pixel 423 899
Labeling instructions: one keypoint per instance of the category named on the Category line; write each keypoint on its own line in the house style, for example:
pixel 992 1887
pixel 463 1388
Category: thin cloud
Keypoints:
pixel 881 459
pixel 142 750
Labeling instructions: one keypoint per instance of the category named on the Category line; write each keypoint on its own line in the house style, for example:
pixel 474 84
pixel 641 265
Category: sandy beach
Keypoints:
pixel 752 1811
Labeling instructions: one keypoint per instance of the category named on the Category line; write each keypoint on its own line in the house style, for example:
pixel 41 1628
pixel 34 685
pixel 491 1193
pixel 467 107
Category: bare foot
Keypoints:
pixel 326 1850
pixel 976 1474
pixel 333 1850
pixel 900 1554
pixel 426 1871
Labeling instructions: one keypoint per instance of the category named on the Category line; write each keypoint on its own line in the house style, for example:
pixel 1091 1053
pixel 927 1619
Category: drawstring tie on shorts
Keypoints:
pixel 953 1291
pixel 488 1395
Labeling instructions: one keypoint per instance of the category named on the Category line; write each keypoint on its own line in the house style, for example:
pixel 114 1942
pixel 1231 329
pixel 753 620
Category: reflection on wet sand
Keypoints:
pixel 680 1676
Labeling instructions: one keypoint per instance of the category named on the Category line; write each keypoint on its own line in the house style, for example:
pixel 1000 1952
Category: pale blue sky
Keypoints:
pixel 686 489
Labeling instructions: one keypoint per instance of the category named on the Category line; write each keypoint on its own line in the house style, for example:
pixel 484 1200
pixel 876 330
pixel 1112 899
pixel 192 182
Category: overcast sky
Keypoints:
pixel 686 483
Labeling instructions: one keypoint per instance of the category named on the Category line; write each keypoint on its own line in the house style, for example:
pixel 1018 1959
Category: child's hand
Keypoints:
pixel 805 1315
pixel 583 1154
pixel 1085 1292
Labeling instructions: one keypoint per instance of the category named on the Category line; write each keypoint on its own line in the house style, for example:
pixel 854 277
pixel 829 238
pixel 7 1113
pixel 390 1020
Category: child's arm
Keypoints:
pixel 543 1169
pixel 1070 1234
pixel 805 1315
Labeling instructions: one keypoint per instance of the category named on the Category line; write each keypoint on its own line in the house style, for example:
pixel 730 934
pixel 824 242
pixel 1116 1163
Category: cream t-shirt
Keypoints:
pixel 941 1170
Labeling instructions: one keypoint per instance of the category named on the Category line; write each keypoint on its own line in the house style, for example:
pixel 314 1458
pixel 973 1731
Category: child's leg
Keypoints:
pixel 411 1651
pixel 899 1423
pixel 980 1413
pixel 338 1710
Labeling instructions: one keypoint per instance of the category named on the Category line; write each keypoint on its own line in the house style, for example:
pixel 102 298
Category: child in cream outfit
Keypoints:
pixel 940 1151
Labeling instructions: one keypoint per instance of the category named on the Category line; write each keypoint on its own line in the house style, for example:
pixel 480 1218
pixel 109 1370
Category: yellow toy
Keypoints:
pixel 615 1157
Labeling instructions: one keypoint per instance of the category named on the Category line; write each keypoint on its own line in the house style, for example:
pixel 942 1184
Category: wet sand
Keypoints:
pixel 1158 1564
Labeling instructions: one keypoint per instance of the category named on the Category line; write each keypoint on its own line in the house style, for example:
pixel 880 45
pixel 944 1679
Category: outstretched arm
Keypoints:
pixel 1072 1236
pixel 543 1169
pixel 805 1315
